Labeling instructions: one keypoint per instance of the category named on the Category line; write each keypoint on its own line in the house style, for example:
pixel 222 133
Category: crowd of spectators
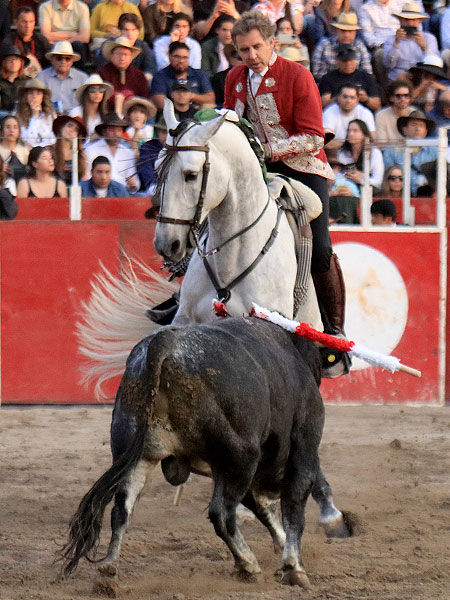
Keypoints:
pixel 99 71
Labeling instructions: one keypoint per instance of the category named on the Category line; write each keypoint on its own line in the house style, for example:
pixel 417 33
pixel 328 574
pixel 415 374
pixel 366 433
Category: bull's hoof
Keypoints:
pixel 108 569
pixel 293 577
pixel 104 586
pixel 246 576
pixel 345 525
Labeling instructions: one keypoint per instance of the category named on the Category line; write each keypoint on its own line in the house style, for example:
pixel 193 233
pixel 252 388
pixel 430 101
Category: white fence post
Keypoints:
pixel 75 188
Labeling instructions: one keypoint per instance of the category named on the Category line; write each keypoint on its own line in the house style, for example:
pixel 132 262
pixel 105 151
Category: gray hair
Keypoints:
pixel 250 20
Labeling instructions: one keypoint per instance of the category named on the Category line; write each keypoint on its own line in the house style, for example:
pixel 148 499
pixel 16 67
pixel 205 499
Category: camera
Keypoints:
pixel 410 30
pixel 287 38
pixel 350 167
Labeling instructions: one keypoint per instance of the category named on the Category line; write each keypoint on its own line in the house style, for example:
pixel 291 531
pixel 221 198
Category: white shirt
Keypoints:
pixel 337 121
pixel 161 51
pixel 256 78
pixel 39 131
pixel 91 122
pixel 123 161
pixel 223 62
pixel 101 192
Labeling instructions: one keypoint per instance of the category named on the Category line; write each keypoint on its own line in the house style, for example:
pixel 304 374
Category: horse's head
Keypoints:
pixel 188 192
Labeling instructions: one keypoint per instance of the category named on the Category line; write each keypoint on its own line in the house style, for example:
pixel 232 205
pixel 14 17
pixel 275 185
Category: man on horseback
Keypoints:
pixel 280 98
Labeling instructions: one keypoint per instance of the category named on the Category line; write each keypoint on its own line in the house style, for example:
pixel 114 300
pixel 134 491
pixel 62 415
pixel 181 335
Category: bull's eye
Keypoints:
pixel 190 177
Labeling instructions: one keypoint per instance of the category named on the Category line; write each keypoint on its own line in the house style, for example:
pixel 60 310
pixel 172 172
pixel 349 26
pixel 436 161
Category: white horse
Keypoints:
pixel 212 172
pixel 237 204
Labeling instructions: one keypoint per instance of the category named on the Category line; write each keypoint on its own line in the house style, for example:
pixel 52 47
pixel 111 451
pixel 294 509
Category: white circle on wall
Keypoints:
pixel 376 299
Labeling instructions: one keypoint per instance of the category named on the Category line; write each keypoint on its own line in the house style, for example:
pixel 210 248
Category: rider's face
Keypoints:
pixel 254 50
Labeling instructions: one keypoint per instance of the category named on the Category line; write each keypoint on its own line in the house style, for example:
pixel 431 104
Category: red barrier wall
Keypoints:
pixel 46 268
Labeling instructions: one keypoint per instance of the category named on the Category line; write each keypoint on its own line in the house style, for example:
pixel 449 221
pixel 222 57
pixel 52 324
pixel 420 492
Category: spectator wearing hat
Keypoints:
pixel 179 69
pixel 31 43
pixel 62 78
pixel 213 56
pixel 425 79
pixel 105 20
pixel 346 108
pixel 399 94
pixel 111 145
pixel 129 25
pixel 100 185
pixel 324 14
pixel 182 101
pixel 119 71
pixel 415 126
pixel 158 17
pixel 384 213
pixel 181 26
pixel 66 129
pixel 12 150
pixel 347 73
pixel 92 96
pixel 138 111
pixel 148 155
pixel 41 182
pixel 218 80
pixel 68 21
pixel 441 113
pixel 409 44
pixel 35 113
pixel 12 65
pixel 324 56
pixel 377 20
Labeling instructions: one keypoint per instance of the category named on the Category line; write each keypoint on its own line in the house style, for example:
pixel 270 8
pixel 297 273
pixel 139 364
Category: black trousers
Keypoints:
pixel 322 250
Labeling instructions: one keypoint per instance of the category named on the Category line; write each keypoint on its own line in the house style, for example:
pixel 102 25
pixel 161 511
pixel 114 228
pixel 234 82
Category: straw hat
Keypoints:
pixel 411 10
pixel 431 64
pixel 347 21
pixel 14 51
pixel 418 115
pixel 112 119
pixel 120 42
pixel 62 48
pixel 291 53
pixel 94 79
pixel 34 84
pixel 138 101
pixel 60 121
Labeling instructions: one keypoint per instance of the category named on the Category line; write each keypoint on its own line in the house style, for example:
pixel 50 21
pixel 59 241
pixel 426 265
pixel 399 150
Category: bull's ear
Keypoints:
pixel 208 129
pixel 169 115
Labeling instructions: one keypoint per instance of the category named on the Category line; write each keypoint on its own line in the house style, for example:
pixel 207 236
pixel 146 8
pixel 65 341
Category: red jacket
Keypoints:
pixel 286 113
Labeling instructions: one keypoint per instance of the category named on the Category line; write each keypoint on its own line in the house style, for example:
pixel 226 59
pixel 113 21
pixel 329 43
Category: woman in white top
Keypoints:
pixel 352 152
pixel 35 114
pixel 12 151
pixel 93 96
pixel 137 111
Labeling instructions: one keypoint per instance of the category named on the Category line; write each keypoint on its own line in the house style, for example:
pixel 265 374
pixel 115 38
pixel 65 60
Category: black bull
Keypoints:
pixel 237 400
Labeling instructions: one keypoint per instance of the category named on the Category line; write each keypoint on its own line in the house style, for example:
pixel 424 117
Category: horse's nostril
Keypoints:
pixel 175 246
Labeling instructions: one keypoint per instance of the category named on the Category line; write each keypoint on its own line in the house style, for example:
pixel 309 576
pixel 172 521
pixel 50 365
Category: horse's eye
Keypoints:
pixel 190 177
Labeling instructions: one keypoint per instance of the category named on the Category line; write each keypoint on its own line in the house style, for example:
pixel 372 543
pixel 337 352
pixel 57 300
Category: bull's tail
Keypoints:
pixel 86 523
pixel 114 320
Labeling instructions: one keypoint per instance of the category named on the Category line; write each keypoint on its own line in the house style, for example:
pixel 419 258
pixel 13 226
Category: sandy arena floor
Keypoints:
pixel 389 466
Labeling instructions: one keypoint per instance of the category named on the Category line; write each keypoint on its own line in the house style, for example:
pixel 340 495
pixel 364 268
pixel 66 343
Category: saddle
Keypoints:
pixel 301 205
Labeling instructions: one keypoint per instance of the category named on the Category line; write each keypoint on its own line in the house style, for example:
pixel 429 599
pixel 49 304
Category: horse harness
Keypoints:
pixel 223 292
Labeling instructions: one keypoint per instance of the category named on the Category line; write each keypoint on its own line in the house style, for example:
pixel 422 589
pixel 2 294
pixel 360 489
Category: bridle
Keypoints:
pixel 223 293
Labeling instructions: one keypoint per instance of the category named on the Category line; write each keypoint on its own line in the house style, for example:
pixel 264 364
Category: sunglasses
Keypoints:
pixel 402 95
pixel 93 90
pixel 395 177
pixel 60 57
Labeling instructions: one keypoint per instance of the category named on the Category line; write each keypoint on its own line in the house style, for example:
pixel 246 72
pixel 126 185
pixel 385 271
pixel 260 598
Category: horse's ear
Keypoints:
pixel 169 115
pixel 208 129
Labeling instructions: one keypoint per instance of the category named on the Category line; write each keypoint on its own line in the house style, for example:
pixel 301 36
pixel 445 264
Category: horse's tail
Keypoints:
pixel 86 523
pixel 114 320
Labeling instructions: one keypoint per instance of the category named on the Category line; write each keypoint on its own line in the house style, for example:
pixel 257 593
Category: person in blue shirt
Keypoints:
pixel 415 126
pixel 100 185
pixel 179 69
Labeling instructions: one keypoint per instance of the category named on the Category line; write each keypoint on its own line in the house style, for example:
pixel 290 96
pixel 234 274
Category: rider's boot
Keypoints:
pixel 330 290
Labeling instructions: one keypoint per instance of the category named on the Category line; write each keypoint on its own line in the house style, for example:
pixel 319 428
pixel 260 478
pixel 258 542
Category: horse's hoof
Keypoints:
pixel 108 569
pixel 293 577
pixel 104 586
